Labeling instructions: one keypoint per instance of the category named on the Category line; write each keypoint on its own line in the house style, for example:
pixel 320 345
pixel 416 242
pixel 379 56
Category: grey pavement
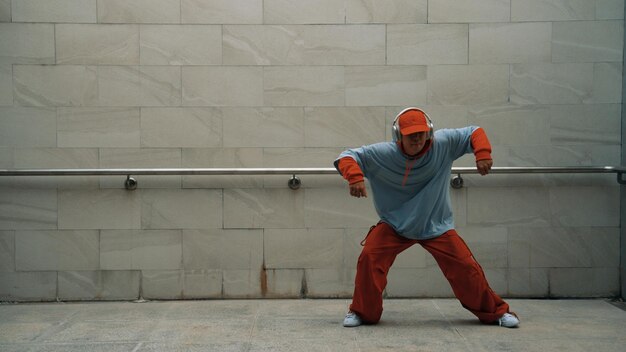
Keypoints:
pixel 306 325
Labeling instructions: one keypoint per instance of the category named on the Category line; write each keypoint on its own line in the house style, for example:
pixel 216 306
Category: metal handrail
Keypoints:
pixel 294 182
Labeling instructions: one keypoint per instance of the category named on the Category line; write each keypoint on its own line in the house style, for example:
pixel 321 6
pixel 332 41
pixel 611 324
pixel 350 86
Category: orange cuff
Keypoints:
pixel 350 170
pixel 481 145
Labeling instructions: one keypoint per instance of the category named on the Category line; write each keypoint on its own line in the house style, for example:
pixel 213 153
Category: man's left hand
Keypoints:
pixel 484 166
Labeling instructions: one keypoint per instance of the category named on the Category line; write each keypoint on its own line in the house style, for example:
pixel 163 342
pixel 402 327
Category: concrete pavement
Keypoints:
pixel 306 325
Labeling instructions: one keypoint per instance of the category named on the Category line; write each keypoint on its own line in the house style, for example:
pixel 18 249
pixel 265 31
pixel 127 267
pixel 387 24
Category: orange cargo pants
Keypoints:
pixel 456 261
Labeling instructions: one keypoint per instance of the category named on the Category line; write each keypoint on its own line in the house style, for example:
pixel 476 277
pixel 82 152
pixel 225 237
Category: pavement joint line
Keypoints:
pixel 139 345
pixel 457 332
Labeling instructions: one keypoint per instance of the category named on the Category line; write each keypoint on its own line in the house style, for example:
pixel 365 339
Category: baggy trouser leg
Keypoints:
pixel 466 277
pixel 381 247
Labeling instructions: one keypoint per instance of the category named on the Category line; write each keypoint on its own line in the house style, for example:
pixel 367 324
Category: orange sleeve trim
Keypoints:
pixel 481 145
pixel 350 170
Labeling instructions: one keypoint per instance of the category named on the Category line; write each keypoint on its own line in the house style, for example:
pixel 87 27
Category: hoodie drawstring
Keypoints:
pixel 407 170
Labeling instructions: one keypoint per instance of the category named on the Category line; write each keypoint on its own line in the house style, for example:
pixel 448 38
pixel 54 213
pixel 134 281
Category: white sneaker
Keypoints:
pixel 509 320
pixel 351 320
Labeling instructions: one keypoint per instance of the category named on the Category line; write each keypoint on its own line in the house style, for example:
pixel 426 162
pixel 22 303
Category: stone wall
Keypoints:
pixel 283 83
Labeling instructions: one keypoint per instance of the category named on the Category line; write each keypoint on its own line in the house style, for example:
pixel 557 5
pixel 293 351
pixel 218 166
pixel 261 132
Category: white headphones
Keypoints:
pixel 395 130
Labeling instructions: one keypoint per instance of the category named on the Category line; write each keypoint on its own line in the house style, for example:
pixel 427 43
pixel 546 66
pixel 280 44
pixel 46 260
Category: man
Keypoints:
pixel 409 180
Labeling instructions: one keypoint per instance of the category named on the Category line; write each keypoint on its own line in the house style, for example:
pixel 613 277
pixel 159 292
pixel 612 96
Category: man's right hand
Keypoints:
pixel 358 189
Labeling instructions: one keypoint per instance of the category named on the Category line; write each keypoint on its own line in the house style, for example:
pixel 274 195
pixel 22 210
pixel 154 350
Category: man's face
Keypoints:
pixel 414 143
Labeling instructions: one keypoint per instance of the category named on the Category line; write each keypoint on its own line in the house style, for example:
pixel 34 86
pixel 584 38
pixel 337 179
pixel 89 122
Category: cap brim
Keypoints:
pixel 414 129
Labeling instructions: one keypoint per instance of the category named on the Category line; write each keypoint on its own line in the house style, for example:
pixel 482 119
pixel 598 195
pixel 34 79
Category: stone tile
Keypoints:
pixel 411 282
pixel 585 155
pixel 28 209
pixel 528 282
pixel 181 127
pixel 139 11
pixel 458 198
pixel 7 251
pixel 510 43
pixel 222 86
pixel 497 279
pixel 610 9
pixel 98 127
pixel 236 249
pixel 141 249
pixel 222 158
pixel 585 206
pixel 551 83
pixel 99 209
pixel 160 86
pixel 202 284
pixel 181 45
pixel 468 84
pixel 57 250
pixel 385 85
pixel 284 283
pixel 6 85
pixel 555 10
pixel 599 282
pixel 119 86
pixel 99 285
pixel 26 43
pixel 343 127
pixel 587 41
pixel 28 286
pixel 263 208
pixel 263 127
pixel 563 247
pixel 282 248
pixel 311 12
pixel 489 245
pixel 514 125
pixel 222 11
pixel 414 257
pixel 386 11
pixel 181 209
pixel 162 284
pixel 39 85
pixel 28 127
pixel 242 283
pixel 464 11
pixel 5 10
pixel 333 208
pixel 519 206
pixel 97 44
pixel 427 44
pixel 63 11
pixel 304 86
pixel 584 124
pixel 324 283
pixel 352 250
pixel 607 87
pixel 304 45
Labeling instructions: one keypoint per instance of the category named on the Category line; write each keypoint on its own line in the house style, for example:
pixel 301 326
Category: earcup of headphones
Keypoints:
pixel 395 133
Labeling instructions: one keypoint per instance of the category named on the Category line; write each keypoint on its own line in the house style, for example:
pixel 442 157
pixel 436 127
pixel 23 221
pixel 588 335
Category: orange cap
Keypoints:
pixel 413 121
